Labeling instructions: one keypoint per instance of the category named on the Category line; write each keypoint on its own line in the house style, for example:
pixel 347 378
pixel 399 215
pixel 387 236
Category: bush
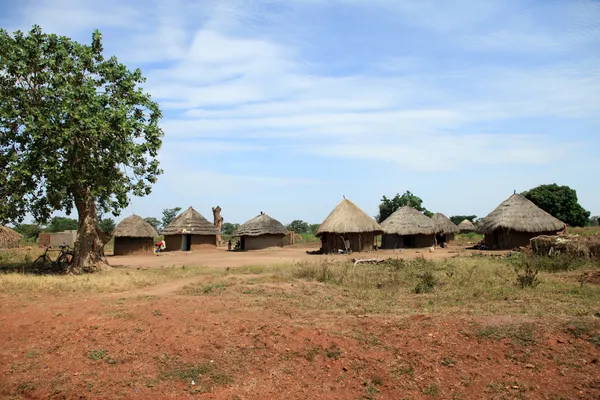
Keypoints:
pixel 426 284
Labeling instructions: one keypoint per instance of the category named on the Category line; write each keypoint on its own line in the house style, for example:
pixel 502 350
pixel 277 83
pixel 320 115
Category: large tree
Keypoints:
pixel 154 222
pixel 560 202
pixel 76 132
pixel 299 226
pixel 457 219
pixel 389 206
pixel 169 215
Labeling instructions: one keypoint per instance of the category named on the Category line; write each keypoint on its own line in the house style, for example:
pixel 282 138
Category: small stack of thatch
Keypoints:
pixel 519 214
pixel 466 226
pixel 262 224
pixel 408 221
pixel 135 227
pixel 578 246
pixel 348 218
pixel 9 239
pixel 444 224
pixel 190 222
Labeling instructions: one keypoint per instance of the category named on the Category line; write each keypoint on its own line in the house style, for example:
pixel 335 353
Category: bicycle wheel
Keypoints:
pixel 63 262
pixel 39 264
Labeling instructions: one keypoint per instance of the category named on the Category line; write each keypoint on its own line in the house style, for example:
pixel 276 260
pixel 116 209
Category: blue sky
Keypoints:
pixel 285 106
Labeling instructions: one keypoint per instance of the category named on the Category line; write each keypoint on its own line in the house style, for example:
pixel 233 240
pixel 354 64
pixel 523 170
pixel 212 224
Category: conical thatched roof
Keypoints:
pixel 135 226
pixel 408 221
pixel 9 238
pixel 190 222
pixel 444 224
pixel 519 214
pixel 466 226
pixel 262 224
pixel 348 218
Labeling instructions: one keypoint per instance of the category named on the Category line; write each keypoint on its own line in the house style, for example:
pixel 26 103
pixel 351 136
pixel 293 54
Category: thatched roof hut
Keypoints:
pixel 407 227
pixel 134 226
pixel 515 221
pixel 9 239
pixel 190 230
pixel 133 235
pixel 349 223
pixel 261 232
pixel 466 226
pixel 444 224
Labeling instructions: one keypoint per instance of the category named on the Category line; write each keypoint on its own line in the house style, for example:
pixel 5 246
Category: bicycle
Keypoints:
pixel 62 263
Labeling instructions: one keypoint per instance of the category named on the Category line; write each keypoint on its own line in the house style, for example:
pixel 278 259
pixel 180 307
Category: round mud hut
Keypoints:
pixel 190 231
pixel 515 221
pixel 446 228
pixel 9 239
pixel 466 226
pixel 407 227
pixel 261 232
pixel 134 236
pixel 348 228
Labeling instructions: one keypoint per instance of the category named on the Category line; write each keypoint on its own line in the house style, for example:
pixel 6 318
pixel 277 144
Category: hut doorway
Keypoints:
pixel 243 243
pixel 186 242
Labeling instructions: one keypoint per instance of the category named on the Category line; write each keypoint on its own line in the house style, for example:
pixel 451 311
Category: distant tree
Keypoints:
pixel 389 206
pixel 457 219
pixel 299 226
pixel 313 228
pixel 107 225
pixel 59 224
pixel 29 231
pixel 560 202
pixel 154 222
pixel 169 215
pixel 594 221
pixel 228 228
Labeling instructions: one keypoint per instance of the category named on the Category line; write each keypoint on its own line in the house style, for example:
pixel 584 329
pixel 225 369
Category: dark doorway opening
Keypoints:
pixel 186 242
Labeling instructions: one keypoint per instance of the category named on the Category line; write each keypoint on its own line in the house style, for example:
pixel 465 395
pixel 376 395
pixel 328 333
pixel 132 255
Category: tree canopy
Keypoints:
pixel 76 132
pixel 299 226
pixel 154 222
pixel 389 206
pixel 107 225
pixel 228 228
pixel 169 215
pixel 561 202
pixel 457 219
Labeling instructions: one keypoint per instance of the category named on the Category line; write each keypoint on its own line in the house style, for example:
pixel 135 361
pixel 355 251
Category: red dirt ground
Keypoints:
pixel 152 343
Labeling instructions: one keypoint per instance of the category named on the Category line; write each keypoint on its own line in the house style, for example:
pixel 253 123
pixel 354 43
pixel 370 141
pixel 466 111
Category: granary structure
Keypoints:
pixel 133 235
pixel 9 239
pixel 515 221
pixel 261 232
pixel 446 228
pixel 348 223
pixel 190 231
pixel 466 226
pixel 407 227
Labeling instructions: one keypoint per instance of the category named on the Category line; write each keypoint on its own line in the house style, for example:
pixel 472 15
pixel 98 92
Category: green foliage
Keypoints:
pixel 228 228
pixel 299 226
pixel 75 128
pixel 594 221
pixel 107 225
pixel 59 224
pixel 154 222
pixel 313 228
pixel 457 219
pixel 389 206
pixel 169 215
pixel 29 231
pixel 560 202
pixel 426 283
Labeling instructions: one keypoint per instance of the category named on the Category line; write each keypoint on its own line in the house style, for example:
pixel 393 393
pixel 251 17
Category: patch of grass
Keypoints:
pixel 157 313
pixel 333 352
pixel 25 387
pixel 431 390
pixel 426 283
pixel 97 355
pixel 312 352
pixel 523 335
pixel 31 353
pixel 201 289
pixel 204 375
pixel 117 280
pixel 448 362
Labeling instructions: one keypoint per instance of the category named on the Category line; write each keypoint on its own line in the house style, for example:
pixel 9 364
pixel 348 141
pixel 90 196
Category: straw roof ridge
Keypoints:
pixel 8 237
pixel 444 224
pixel 408 221
pixel 466 226
pixel 190 222
pixel 262 224
pixel 347 217
pixel 519 214
pixel 134 226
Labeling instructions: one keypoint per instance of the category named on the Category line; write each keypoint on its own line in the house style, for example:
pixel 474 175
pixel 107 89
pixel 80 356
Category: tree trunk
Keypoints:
pixel 218 222
pixel 89 247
